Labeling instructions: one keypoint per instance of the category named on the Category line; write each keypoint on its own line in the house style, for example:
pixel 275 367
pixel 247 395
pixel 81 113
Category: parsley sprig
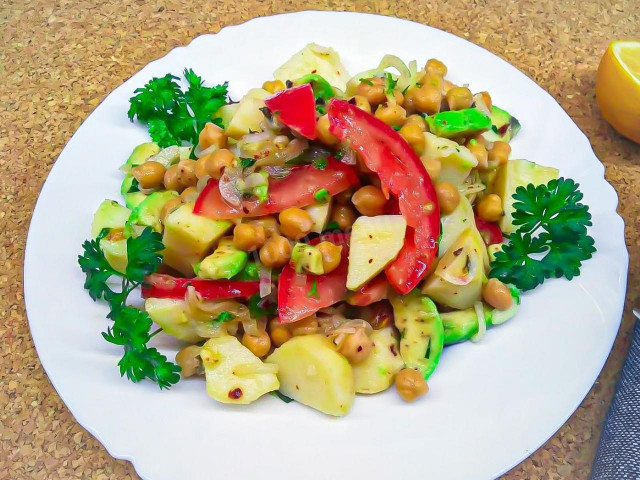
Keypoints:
pixel 131 327
pixel 173 116
pixel 551 240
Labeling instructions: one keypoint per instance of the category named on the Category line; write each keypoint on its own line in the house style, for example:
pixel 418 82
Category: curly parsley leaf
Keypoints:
pixel 143 254
pixel 390 84
pixel 149 363
pixel 96 269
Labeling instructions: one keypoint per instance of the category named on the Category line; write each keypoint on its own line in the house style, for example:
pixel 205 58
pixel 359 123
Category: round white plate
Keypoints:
pixel 490 404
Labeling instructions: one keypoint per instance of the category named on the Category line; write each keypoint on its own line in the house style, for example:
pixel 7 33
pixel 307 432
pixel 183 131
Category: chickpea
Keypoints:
pixel 168 207
pixel 500 152
pixel 295 223
pixel 273 86
pixel 433 166
pixel 398 97
pixel 344 216
pixel 258 344
pixel 180 176
pixel 480 152
pixel 447 85
pixel 459 98
pixel 435 67
pixel 369 201
pixel 279 332
pixel 149 174
pixel 418 120
pixel 189 194
pixel 427 99
pixel 410 384
pixel 212 134
pixel 248 237
pixel 343 197
pixel 391 114
pixel 306 326
pixel 356 347
pixel 409 103
pixel 275 252
pixel 189 360
pixel 216 162
pixel 361 102
pixel 433 80
pixel 414 136
pixel 269 224
pixel 497 294
pixel 490 208
pixel 448 197
pixel 331 255
pixel 373 90
pixel 322 132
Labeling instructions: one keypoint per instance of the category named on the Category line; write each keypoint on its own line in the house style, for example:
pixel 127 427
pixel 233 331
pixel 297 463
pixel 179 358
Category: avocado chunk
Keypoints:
pixel 140 155
pixel 225 113
pixel 307 257
pixel 376 372
pixel 504 126
pixel 458 123
pixel 129 184
pixel 250 273
pixel 456 160
pixel 170 155
pixel 110 214
pixel 133 199
pixel 147 213
pixel 188 237
pixel 226 261
pixel 114 247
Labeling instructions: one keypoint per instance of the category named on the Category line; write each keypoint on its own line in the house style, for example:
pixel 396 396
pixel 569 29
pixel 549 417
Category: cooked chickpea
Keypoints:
pixel 189 194
pixel 212 134
pixel 279 332
pixel 490 208
pixel 418 120
pixel 480 152
pixel 344 216
pixel 149 174
pixel 448 197
pixel 433 80
pixel 189 360
pixel 447 85
pixel 273 86
pixel 361 102
pixel 306 326
pixel 258 344
pixel 369 201
pixel 168 207
pixel 427 99
pixel 408 104
pixel 322 132
pixel 459 98
pixel 398 97
pixel 281 141
pixel 435 67
pixel 269 224
pixel 410 384
pixel 217 162
pixel 391 114
pixel 248 237
pixel 295 223
pixel 331 255
pixel 275 252
pixel 500 152
pixel 497 294
pixel 373 90
pixel 356 347
pixel 343 197
pixel 414 136
pixel 433 166
pixel 180 176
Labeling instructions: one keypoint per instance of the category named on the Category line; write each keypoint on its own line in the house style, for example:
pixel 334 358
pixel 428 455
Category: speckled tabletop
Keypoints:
pixel 59 59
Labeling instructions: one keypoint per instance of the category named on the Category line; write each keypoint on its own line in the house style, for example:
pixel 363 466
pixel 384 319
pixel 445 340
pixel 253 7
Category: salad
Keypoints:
pixel 326 235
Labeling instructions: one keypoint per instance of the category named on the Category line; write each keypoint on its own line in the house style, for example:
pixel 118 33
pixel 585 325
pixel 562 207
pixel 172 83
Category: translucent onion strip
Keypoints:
pixel 482 324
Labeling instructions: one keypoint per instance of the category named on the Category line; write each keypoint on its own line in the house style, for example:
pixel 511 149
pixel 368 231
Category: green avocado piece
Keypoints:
pixel 458 123
pixel 133 199
pixel 140 155
pixel 110 214
pixel 225 262
pixel 129 184
pixel 171 155
pixel 462 325
pixel 250 273
pixel 307 257
pixel 147 213
pixel 504 126
pixel 322 90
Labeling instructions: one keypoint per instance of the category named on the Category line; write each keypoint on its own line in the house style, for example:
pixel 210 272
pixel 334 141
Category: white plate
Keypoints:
pixel 490 404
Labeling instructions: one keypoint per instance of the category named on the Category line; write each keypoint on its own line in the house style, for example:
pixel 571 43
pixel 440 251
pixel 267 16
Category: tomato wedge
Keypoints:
pixel 374 291
pixel 294 190
pixel 490 232
pixel 160 285
pixel 400 170
pixel 296 108
pixel 297 297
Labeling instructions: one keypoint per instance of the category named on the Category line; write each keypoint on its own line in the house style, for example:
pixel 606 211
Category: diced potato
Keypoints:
pixel 248 116
pixel 188 237
pixel 375 242
pixel 319 213
pixel 233 373
pixel 513 174
pixel 171 315
pixel 314 58
pixel 461 219
pixel 313 373
pixel 226 112
pixel 110 214
pixel 457 160
pixel 115 252
pixel 377 371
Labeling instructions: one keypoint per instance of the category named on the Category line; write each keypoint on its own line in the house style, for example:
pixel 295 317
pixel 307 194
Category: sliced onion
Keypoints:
pixel 349 157
pixel 228 186
pixel 482 324
pixel 256 137
pixel 202 182
pixel 199 153
pixel 265 281
pixel 397 63
pixel 447 275
pixel 478 99
pixel 254 180
pixel 146 191
pixel 280 157
pixel 275 171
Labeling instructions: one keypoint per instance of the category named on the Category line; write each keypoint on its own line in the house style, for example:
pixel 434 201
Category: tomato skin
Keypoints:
pixel 159 285
pixel 294 301
pixel 490 232
pixel 374 291
pixel 294 190
pixel 296 108
pixel 400 170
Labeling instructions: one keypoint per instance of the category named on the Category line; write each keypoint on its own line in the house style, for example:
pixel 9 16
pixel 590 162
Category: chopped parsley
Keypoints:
pixel 320 163
pixel 247 162
pixel 366 81
pixel 224 317
pixel 390 84
pixel 322 195
pixel 314 290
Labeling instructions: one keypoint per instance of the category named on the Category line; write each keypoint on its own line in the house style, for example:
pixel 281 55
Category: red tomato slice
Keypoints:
pixel 295 298
pixel 490 232
pixel 160 285
pixel 400 170
pixel 372 292
pixel 294 190
pixel 296 108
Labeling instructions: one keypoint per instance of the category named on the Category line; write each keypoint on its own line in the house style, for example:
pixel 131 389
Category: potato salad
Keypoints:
pixel 326 234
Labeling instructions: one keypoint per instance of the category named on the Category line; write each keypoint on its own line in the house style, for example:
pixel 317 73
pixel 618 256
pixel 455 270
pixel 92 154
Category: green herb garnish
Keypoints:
pixel 366 81
pixel 267 309
pixel 314 289
pixel 281 396
pixel 333 226
pixel 396 127
pixel 322 195
pixel 320 163
pixel 247 162
pixel 390 84
pixel 224 317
